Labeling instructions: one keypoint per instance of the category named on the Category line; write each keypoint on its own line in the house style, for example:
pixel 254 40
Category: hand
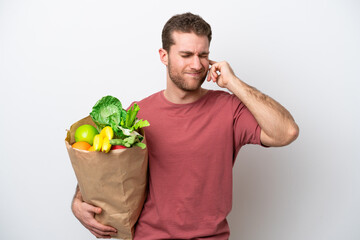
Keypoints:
pixel 221 73
pixel 85 213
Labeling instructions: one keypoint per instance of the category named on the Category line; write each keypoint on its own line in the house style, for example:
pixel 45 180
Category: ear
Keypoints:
pixel 163 56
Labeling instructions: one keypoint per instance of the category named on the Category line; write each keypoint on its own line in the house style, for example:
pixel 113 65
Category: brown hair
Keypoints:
pixel 187 23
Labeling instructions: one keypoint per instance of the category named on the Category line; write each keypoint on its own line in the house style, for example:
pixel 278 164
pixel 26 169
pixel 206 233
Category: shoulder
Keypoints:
pixel 147 100
pixel 223 97
pixel 150 99
pixel 219 93
pixel 226 101
pixel 148 104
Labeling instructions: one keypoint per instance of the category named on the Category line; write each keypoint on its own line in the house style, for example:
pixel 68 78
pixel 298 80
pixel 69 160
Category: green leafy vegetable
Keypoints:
pixel 129 141
pixel 140 124
pixel 131 115
pixel 108 111
pixel 140 144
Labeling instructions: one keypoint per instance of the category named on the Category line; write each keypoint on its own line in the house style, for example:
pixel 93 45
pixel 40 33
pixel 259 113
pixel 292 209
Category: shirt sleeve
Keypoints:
pixel 246 128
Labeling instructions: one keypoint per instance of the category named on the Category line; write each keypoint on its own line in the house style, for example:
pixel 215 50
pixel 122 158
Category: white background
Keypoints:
pixel 57 58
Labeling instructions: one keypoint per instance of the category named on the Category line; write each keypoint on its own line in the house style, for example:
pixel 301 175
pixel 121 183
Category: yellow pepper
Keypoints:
pixel 98 142
pixel 107 132
pixel 102 140
pixel 106 145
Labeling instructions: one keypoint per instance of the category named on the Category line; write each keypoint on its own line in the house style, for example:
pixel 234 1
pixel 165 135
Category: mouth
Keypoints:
pixel 195 74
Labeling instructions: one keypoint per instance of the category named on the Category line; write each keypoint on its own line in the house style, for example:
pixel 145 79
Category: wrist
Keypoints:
pixel 233 84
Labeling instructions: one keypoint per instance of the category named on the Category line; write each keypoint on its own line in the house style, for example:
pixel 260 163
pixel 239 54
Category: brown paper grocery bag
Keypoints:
pixel 114 181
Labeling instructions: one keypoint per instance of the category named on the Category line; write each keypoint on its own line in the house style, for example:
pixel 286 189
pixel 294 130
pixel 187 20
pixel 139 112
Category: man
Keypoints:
pixel 194 138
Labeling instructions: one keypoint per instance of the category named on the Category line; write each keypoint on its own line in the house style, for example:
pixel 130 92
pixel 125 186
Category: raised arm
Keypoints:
pixel 278 127
pixel 85 213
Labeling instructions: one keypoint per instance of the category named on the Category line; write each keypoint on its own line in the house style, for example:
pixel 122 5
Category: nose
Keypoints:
pixel 196 63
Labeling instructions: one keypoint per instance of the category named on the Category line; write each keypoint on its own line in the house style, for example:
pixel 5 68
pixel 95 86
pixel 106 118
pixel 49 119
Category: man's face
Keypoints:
pixel 188 60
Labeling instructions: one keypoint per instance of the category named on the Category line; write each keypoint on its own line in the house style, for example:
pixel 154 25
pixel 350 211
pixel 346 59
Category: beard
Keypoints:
pixel 179 80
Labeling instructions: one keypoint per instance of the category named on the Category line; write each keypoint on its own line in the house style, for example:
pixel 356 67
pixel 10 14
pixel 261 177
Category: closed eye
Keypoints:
pixel 204 56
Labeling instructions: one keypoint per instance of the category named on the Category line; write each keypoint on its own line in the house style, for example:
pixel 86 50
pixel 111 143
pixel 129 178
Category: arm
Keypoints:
pixel 278 127
pixel 85 213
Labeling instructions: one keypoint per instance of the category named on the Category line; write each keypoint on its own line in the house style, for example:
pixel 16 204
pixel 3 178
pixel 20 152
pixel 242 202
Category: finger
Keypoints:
pixel 208 76
pixel 212 69
pixel 211 62
pixel 212 73
pixel 97 232
pixel 102 228
pixel 92 209
pixel 99 235
pixel 215 76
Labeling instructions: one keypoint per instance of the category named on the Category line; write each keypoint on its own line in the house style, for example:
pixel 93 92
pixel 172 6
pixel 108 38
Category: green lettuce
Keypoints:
pixel 140 124
pixel 108 111
pixel 131 115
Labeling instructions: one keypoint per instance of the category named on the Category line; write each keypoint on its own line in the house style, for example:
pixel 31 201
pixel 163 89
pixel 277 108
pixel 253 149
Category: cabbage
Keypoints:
pixel 108 111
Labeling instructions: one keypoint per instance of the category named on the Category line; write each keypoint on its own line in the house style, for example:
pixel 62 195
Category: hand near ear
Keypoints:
pixel 221 73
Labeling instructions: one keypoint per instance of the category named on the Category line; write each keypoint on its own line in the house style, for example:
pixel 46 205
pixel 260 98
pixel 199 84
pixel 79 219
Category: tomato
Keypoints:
pixel 114 147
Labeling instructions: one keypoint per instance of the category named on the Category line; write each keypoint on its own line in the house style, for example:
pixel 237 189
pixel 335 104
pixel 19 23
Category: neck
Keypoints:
pixel 178 96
